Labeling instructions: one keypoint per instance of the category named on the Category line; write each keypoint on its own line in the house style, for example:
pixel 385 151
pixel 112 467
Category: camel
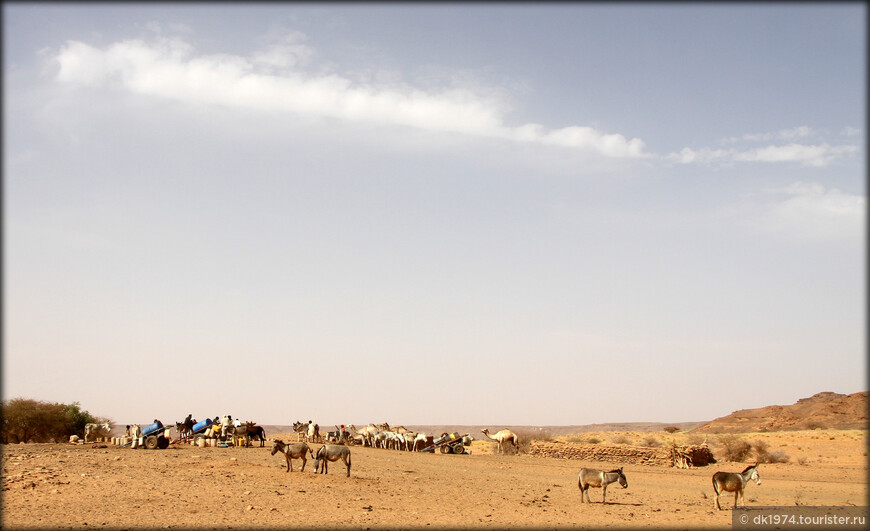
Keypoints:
pixel 503 436
pixel 368 433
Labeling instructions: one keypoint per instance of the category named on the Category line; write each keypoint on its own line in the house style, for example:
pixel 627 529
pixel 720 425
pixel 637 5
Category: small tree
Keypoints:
pixel 77 419
pixel 671 429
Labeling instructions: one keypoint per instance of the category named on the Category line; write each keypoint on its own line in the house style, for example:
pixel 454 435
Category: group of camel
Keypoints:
pixel 400 438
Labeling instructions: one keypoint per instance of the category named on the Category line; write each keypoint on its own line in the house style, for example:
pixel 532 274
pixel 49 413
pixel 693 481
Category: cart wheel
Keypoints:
pixel 446 449
pixel 162 443
pixel 151 442
pixel 458 449
pixel 197 438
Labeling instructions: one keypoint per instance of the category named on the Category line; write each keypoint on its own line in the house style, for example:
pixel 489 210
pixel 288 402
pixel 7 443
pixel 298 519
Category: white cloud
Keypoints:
pixel 701 156
pixel 806 155
pixel 811 212
pixel 271 80
pixel 819 155
pixel 802 131
pixel 797 132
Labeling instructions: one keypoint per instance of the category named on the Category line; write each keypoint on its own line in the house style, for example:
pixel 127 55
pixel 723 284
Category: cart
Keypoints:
pixel 154 436
pixel 198 431
pixel 449 443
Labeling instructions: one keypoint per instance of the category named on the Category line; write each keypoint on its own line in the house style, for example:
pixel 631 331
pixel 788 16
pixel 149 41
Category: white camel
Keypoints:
pixel 368 433
pixel 502 437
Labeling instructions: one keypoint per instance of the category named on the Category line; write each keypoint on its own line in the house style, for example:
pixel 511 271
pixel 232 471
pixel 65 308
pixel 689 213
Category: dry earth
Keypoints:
pixel 75 486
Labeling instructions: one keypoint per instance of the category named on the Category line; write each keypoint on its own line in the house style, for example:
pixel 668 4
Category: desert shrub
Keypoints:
pixel 527 436
pixel 593 440
pixel 802 460
pixel 26 420
pixel 734 448
pixel 763 455
pixel 695 439
pixel 778 456
pixel 576 439
pixel 620 439
pixel 651 441
pixel 671 429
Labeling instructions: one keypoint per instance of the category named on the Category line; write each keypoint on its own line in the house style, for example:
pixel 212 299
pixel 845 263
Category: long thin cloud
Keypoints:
pixel 170 68
pixel 818 155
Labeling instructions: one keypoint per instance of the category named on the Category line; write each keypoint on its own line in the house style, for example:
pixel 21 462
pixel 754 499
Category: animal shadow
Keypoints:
pixel 624 503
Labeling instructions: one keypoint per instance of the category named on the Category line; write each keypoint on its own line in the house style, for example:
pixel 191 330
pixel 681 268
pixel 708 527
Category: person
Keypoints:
pixel 225 424
pixel 237 423
pixel 341 434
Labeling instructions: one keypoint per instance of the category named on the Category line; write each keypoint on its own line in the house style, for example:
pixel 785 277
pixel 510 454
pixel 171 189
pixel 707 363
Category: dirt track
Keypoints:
pixel 59 485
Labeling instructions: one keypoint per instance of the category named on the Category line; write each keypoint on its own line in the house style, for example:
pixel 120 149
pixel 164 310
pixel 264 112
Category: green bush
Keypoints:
pixel 27 420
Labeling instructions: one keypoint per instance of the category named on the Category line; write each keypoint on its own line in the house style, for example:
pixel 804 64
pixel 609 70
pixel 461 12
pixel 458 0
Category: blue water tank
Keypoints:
pixel 152 429
pixel 201 425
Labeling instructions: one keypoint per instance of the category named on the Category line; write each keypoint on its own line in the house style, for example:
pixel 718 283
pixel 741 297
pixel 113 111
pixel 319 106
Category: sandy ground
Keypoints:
pixel 62 486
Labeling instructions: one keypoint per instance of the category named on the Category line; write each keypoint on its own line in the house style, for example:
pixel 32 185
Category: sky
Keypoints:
pixel 505 214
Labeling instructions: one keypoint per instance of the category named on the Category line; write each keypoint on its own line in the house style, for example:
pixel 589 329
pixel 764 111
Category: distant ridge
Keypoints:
pixel 825 410
pixel 553 431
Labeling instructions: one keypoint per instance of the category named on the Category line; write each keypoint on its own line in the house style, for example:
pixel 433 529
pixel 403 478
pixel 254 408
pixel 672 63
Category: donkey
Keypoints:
pixel 93 428
pixel 732 482
pixel 256 433
pixel 301 430
pixel 292 451
pixel 331 452
pixel 182 430
pixel 589 477
pixel 239 434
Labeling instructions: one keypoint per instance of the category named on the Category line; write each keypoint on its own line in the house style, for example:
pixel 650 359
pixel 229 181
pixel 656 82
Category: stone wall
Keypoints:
pixel 602 452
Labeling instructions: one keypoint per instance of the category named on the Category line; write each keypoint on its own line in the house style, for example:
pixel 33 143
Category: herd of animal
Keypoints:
pixel 400 438
pixel 384 436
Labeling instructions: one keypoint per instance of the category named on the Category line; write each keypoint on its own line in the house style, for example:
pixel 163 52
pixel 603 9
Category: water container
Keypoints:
pixel 200 425
pixel 152 429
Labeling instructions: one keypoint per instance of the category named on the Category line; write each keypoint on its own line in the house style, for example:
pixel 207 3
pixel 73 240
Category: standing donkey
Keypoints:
pixel 292 451
pixel 589 477
pixel 731 482
pixel 331 452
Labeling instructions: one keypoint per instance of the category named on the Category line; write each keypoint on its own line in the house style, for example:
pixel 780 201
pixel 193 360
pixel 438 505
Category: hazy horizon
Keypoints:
pixel 526 214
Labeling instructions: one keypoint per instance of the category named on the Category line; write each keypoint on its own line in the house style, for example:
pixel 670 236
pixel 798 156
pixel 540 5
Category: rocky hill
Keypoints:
pixel 823 410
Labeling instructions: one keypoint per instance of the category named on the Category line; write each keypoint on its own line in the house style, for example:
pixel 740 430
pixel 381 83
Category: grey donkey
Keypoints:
pixel 331 452
pixel 292 451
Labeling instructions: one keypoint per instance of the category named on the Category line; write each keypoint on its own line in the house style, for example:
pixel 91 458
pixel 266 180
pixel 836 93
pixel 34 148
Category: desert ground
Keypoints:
pixel 79 486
